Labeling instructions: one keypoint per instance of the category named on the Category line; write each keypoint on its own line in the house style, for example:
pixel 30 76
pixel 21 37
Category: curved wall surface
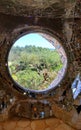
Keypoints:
pixel 63 101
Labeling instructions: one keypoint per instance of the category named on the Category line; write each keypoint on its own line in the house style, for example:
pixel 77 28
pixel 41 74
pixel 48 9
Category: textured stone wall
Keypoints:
pixel 59 100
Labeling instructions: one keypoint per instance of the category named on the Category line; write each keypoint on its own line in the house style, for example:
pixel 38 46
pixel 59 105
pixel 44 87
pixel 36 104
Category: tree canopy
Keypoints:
pixel 34 67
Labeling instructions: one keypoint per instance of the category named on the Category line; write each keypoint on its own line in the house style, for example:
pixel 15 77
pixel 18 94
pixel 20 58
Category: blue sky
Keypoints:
pixel 33 39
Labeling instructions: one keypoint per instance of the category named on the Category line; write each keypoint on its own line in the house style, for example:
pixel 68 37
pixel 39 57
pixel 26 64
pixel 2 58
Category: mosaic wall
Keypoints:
pixel 58 102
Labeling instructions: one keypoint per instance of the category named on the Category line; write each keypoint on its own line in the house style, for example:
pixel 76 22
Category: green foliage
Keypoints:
pixel 34 67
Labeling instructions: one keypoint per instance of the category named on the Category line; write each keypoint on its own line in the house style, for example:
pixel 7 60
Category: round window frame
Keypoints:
pixel 20 32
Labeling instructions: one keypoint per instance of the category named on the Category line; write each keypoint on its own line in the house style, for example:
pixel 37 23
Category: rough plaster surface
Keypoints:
pixel 23 124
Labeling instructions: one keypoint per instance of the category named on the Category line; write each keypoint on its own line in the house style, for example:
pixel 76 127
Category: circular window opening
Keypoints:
pixel 37 62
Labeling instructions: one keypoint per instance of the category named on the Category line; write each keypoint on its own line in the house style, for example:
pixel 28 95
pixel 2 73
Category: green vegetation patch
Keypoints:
pixel 34 67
